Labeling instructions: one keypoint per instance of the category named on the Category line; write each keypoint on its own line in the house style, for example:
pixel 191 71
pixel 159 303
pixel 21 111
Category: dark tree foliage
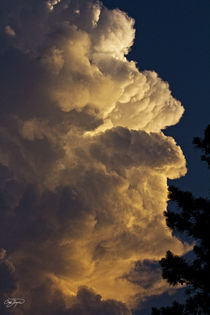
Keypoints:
pixel 193 219
pixel 204 145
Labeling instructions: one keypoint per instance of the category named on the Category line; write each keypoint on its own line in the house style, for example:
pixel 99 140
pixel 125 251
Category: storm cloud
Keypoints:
pixel 84 161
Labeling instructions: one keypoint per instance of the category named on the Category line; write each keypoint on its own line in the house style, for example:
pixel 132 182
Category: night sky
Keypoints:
pixel 98 111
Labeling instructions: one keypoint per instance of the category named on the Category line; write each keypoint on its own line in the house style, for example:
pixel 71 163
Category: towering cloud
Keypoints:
pixel 83 161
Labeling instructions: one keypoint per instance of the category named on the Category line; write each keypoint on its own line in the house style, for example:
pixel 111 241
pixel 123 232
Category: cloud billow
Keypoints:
pixel 84 161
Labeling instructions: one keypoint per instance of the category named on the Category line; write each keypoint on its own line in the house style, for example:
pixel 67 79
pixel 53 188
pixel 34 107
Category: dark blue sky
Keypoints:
pixel 173 38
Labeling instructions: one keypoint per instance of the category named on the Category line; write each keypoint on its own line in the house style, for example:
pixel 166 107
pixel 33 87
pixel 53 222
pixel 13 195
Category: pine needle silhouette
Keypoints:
pixel 194 220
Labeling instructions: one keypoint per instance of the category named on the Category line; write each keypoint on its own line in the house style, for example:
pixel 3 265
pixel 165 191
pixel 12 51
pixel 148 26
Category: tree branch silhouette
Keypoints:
pixel 193 219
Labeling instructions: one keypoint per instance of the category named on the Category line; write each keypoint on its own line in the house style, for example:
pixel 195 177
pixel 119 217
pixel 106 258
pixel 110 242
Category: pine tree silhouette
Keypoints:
pixel 193 219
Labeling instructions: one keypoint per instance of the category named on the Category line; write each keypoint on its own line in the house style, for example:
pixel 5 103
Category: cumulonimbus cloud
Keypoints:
pixel 84 160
